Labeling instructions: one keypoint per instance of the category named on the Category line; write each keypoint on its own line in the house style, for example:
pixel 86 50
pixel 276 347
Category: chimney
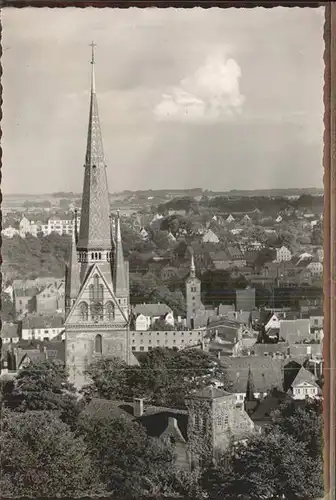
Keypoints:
pixel 138 407
pixel 218 354
pixel 172 422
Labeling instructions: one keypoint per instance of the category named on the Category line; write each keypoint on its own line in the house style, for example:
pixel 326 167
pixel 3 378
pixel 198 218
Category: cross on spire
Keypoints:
pixel 93 45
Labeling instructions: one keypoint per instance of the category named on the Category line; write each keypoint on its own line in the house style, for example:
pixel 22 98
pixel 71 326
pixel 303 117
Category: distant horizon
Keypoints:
pixel 312 188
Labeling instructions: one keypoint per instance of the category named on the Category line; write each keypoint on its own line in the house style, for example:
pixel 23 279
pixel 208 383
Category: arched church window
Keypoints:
pixel 110 313
pixel 92 255
pixel 91 292
pixel 84 311
pixel 98 344
pixel 97 311
pixel 99 255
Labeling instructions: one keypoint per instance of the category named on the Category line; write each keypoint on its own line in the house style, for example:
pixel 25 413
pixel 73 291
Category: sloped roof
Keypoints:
pixel 291 330
pixel 209 392
pixel 42 321
pixel 151 309
pixel 9 330
pixel 267 372
pixel 304 376
pixel 260 349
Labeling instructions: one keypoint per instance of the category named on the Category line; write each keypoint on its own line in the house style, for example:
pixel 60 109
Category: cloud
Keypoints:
pixel 211 93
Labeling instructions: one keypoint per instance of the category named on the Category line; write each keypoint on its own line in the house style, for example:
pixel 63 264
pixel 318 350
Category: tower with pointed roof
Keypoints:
pixel 97 295
pixel 193 294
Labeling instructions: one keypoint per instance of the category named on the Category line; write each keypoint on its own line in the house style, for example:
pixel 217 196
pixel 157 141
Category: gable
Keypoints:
pixel 96 299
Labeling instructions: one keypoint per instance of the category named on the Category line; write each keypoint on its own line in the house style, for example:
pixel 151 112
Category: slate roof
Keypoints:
pixel 154 418
pixel 267 372
pixel 294 330
pixel 151 309
pixel 209 392
pixel 9 330
pixel 38 321
pixel 304 376
pixel 260 349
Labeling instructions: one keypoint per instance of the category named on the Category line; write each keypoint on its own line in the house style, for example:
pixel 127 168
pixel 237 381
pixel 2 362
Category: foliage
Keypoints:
pixel 44 386
pixel 270 466
pixel 130 462
pixel 165 376
pixel 43 256
pixel 42 458
pixel 304 423
pixel 7 308
pixel 148 288
pixel 219 287
pixel 162 325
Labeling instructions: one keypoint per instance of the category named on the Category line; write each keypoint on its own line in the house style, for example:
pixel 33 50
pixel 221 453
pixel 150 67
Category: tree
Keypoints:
pixel 44 386
pixel 7 308
pixel 273 466
pixel 42 458
pixel 165 377
pixel 162 325
pixel 304 423
pixel 130 462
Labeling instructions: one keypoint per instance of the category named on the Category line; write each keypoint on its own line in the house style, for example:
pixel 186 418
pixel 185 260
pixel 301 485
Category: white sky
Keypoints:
pixel 213 98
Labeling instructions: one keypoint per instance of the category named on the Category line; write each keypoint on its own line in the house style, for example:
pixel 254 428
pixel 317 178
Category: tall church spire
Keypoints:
pixel 192 266
pixel 119 273
pixel 94 232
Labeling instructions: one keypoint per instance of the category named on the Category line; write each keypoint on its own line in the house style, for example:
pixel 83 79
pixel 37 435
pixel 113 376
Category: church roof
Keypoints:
pixel 94 233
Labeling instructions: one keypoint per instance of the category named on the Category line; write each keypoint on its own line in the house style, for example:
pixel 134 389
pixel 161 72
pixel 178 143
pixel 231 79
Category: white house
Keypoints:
pixel 305 386
pixel 278 219
pixel 146 314
pixel 283 254
pixel 41 327
pixel 230 218
pixel 143 234
pixel 316 268
pixel 27 227
pixel 9 232
pixel 273 323
pixel 59 226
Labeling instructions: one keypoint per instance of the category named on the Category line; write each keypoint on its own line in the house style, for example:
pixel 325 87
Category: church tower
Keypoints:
pixel 193 294
pixel 97 292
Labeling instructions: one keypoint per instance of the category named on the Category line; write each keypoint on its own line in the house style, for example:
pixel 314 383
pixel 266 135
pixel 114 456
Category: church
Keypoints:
pixel 97 275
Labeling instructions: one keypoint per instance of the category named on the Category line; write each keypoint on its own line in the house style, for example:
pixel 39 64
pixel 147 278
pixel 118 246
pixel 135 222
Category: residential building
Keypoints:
pixel 294 331
pixel 305 386
pixel 9 232
pixel 27 227
pixel 315 268
pixel 51 299
pixel 41 327
pixel 283 254
pixel 180 339
pixel 211 422
pixel 210 237
pixel 10 333
pixel 145 315
pixel 59 226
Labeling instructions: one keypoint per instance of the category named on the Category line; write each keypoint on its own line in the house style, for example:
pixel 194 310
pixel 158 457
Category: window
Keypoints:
pixel 220 420
pixel 133 341
pixel 84 311
pixel 133 347
pixel 226 420
pixel 142 348
pixel 158 333
pixel 110 312
pixel 190 333
pixel 149 347
pixel 158 342
pixel 98 344
pixel 149 341
pixel 166 333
